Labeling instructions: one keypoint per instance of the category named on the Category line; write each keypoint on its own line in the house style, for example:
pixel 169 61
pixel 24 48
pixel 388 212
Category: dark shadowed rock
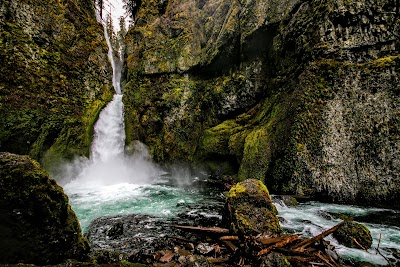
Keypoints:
pixel 37 225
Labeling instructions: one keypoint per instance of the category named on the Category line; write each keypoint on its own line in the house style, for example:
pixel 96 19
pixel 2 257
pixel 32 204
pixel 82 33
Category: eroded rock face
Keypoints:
pixel 37 224
pixel 249 209
pixel 302 92
pixel 55 76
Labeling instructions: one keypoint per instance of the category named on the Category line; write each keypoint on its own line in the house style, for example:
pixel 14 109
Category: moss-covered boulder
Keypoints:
pixel 352 233
pixel 249 209
pixel 37 225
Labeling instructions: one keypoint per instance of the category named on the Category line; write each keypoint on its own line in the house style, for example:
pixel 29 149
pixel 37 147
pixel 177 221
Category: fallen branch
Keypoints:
pixel 218 260
pixel 282 243
pixel 214 230
pixel 230 245
pixel 390 264
pixel 308 242
pixel 229 238
pixel 327 262
pixel 295 252
pixel 271 240
pixel 358 244
pixel 379 243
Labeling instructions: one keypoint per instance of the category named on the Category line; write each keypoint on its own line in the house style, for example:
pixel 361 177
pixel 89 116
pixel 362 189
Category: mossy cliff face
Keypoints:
pixel 54 76
pixel 302 92
pixel 37 224
pixel 191 66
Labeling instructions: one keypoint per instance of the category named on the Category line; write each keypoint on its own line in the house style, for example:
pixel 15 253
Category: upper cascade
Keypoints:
pixel 116 67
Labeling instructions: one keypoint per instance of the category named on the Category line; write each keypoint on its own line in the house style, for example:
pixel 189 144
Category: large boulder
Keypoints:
pixel 249 209
pixel 37 225
pixel 353 234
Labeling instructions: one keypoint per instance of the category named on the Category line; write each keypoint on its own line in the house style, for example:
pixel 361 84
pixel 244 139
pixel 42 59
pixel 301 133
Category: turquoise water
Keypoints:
pixel 168 196
pixel 162 198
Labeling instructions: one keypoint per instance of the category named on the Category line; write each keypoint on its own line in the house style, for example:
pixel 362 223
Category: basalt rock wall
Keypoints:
pixel 300 94
pixel 55 76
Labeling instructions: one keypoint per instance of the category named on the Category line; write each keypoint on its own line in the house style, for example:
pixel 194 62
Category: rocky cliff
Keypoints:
pixel 300 94
pixel 55 76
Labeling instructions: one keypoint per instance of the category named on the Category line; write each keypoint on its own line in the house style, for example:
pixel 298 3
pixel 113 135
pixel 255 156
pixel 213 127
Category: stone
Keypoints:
pixel 351 231
pixel 274 259
pixel 37 225
pixel 287 200
pixel 249 209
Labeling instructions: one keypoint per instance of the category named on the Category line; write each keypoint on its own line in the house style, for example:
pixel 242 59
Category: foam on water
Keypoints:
pixel 310 219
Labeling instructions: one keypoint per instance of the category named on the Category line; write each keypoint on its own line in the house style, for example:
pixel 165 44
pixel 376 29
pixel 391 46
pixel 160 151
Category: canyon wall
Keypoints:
pixel 300 94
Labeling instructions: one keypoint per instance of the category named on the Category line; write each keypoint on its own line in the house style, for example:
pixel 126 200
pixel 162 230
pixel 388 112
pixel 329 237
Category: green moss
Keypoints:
pixel 352 231
pixel 250 209
pixel 235 190
pixel 48 85
pixel 35 216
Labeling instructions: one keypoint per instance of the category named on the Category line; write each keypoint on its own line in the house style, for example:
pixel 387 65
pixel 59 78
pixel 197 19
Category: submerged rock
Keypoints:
pixel 37 225
pixel 287 200
pixel 351 233
pixel 249 209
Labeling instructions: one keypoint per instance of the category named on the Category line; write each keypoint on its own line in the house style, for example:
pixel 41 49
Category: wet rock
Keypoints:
pixel 36 118
pixel 352 231
pixel 194 261
pixel 107 256
pixel 274 260
pixel 116 230
pixel 37 225
pixel 287 200
pixel 249 209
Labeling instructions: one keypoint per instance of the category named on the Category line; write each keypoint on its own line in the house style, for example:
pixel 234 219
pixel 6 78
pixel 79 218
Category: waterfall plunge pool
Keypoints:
pixel 172 195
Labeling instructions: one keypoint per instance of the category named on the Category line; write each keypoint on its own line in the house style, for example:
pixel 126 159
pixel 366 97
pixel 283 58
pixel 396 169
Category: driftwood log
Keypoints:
pixel 233 250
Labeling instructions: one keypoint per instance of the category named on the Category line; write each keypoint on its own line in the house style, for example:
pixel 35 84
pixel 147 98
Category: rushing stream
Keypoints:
pixel 312 218
pixel 113 183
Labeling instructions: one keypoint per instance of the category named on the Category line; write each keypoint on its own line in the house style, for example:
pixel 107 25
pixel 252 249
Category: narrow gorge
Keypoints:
pixel 199 102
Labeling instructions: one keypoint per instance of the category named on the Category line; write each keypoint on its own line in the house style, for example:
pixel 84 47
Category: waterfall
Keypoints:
pixel 108 163
pixel 116 78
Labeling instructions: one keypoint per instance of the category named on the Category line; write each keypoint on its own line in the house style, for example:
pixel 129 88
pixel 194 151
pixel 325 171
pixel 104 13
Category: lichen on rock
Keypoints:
pixel 249 209
pixel 37 224
pixel 354 235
